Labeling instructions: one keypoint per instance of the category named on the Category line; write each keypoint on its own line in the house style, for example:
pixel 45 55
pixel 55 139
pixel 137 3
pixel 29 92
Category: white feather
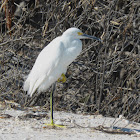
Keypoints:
pixel 53 60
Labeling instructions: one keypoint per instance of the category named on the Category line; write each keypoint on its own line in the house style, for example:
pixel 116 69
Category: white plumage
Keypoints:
pixel 54 59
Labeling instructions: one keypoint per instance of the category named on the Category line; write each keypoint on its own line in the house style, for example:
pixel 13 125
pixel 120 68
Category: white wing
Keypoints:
pixel 48 59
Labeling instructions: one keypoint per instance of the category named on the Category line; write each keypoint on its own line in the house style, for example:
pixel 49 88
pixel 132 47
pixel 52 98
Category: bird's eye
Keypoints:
pixel 80 33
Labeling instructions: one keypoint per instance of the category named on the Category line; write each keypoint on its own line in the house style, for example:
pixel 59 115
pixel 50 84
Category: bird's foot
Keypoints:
pixel 53 125
pixel 62 78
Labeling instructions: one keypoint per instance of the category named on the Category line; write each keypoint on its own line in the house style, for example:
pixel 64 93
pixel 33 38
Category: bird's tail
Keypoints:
pixel 31 84
pixel 26 85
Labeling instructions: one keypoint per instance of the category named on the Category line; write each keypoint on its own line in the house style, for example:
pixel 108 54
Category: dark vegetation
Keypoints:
pixel 104 79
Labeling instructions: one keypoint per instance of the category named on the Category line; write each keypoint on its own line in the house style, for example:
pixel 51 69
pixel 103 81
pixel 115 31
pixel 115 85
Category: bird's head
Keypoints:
pixel 78 34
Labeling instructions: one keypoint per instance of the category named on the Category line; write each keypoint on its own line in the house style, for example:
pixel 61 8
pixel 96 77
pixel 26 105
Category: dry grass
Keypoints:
pixel 104 79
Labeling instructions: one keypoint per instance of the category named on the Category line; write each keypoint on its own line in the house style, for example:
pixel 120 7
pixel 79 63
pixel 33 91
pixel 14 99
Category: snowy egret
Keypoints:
pixel 52 62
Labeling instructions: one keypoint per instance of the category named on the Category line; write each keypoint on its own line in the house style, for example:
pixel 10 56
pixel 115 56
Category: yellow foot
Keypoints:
pixel 62 78
pixel 52 125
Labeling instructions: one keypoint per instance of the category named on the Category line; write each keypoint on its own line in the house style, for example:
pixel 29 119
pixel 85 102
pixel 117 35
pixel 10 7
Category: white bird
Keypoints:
pixel 52 62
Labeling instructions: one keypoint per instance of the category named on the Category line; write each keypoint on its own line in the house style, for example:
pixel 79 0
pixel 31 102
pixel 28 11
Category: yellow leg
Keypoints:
pixel 51 108
pixel 62 78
